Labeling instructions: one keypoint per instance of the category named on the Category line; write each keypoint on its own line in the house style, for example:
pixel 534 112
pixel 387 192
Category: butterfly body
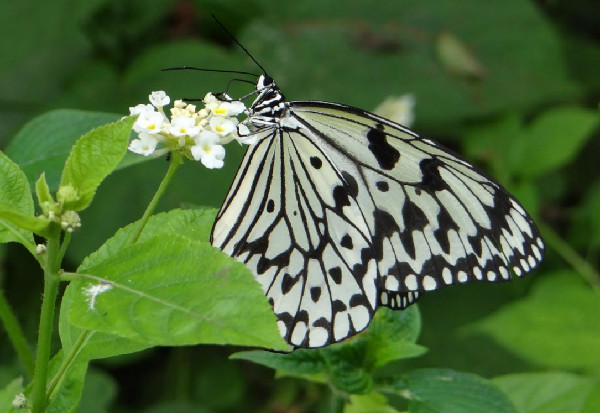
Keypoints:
pixel 338 211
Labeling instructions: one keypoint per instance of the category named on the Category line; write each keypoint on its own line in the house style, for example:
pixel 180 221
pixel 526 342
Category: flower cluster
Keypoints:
pixel 197 134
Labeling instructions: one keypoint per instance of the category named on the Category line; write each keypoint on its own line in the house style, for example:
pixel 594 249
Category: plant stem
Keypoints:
pixel 336 403
pixel 571 257
pixel 15 334
pixel 51 282
pixel 175 162
pixel 68 360
pixel 63 246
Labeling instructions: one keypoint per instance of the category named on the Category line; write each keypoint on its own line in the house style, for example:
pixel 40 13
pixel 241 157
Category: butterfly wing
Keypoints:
pixel 338 211
pixel 434 219
pixel 291 218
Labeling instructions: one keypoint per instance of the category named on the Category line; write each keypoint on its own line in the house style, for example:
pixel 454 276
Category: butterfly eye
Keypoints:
pixel 264 81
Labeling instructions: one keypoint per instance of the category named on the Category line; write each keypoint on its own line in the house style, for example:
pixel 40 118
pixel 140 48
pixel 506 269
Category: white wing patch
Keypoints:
pixel 338 211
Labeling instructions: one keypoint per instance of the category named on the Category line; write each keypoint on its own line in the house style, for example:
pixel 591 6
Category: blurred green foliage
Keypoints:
pixel 512 85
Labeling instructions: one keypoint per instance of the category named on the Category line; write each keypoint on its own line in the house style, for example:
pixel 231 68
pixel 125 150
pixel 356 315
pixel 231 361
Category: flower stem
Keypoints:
pixel 15 334
pixel 51 281
pixel 175 162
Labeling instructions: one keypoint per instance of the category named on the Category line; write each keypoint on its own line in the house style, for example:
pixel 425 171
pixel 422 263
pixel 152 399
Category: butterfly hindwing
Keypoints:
pixel 293 220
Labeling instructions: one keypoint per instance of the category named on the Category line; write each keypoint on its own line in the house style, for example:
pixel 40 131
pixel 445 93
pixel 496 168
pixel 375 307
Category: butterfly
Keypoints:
pixel 338 211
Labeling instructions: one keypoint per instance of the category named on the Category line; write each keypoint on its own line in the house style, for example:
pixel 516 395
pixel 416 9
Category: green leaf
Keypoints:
pixel 43 191
pixel 553 140
pixel 95 344
pixel 28 223
pixel 8 393
pixel 592 402
pixel 552 326
pixel 299 362
pixel 67 394
pixel 99 392
pixel 44 143
pixel 94 156
pixel 15 197
pixel 369 403
pixel 447 391
pixel 192 224
pixel 546 392
pixel 168 289
pixel 392 335
pixel 347 367
pixel 495 143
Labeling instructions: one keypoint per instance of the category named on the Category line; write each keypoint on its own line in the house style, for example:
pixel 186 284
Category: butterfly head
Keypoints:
pixel 269 107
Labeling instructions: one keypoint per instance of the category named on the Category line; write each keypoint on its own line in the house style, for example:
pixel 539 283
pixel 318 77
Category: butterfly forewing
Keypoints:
pixel 338 211
pixel 443 221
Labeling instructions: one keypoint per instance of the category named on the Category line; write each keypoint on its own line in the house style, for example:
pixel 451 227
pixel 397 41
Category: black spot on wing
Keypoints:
pixel 315 293
pixel 338 306
pixel 432 180
pixel 340 197
pixel 350 184
pixel 270 206
pixel 386 155
pixel 288 282
pixel 446 223
pixel 336 274
pixel 413 216
pixel 346 242
pixel 382 186
pixel 316 162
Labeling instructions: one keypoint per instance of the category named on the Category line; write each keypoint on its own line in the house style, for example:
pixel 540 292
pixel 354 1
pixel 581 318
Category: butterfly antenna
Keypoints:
pixel 202 69
pixel 239 44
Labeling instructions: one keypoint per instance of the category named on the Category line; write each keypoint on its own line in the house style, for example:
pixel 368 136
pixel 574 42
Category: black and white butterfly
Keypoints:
pixel 338 211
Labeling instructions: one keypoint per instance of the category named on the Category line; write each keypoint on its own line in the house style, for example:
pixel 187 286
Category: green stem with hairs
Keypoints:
pixel 51 281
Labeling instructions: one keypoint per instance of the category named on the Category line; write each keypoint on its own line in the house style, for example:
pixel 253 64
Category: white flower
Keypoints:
pixel 399 109
pixel 144 145
pixel 149 122
pixel 210 101
pixel 207 150
pixel 232 108
pixel 183 126
pixel 93 291
pixel 141 108
pixel 159 99
pixel 221 125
